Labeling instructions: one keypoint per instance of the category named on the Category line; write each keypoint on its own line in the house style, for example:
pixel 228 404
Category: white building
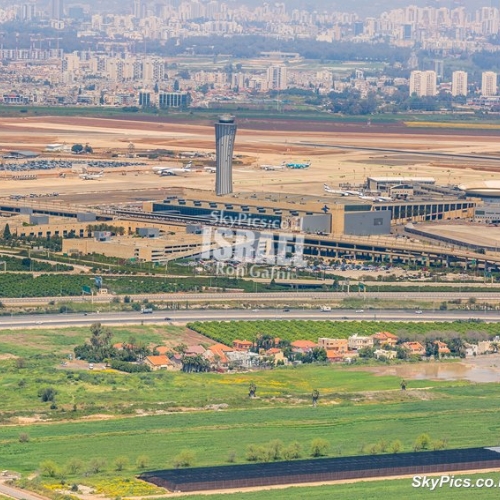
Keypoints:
pixel 459 83
pixel 489 84
pixel 423 83
pixel 277 77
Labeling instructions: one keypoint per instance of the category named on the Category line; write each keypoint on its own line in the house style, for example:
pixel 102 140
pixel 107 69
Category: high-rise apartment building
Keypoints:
pixel 277 77
pixel 489 84
pixel 56 9
pixel 423 83
pixel 225 133
pixel 459 83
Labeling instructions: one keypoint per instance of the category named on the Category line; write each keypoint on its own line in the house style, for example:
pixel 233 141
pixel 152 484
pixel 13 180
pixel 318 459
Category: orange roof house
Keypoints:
pixel 242 345
pixel 219 351
pixel 383 338
pixel 303 346
pixel 414 348
pixel 442 347
pixel 158 362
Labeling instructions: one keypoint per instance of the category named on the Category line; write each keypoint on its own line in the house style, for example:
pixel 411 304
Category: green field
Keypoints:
pixel 212 436
pixel 227 331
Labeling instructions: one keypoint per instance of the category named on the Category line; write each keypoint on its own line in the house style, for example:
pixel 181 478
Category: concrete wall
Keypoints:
pixel 317 223
pixel 367 223
pixel 86 217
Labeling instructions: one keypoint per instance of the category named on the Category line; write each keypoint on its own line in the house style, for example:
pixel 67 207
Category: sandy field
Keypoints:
pixel 257 143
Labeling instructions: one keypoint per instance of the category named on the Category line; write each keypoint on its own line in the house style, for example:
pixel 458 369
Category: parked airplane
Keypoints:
pixel 369 198
pixel 328 189
pixel 298 165
pixel 273 167
pixel 91 177
pixel 375 198
pixel 173 171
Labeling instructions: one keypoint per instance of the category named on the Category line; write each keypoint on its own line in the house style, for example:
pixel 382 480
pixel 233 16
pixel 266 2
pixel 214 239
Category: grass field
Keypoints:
pixel 350 427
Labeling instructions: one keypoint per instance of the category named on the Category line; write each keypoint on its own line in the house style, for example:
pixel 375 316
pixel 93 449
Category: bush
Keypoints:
pixel 74 487
pixel 383 445
pixel 292 451
pixel 96 465
pixel 47 394
pixel 125 366
pixel 142 461
pixel 24 437
pixel 439 444
pixel 231 457
pixel 121 463
pixel 184 459
pixel 396 446
pixel 423 442
pixel 49 468
pixel 276 449
pixel 319 447
pixel 252 454
pixel 74 466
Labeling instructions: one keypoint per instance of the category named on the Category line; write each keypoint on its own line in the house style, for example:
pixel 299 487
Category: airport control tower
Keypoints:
pixel 225 132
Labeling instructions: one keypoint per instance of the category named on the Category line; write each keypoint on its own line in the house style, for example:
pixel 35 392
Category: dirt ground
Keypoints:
pixel 258 142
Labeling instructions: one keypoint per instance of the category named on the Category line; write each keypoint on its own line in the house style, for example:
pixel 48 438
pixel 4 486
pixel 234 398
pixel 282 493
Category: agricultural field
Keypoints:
pixel 27 264
pixel 46 285
pixel 227 331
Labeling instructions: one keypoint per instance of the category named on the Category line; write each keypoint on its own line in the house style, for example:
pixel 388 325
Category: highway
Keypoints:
pixel 184 316
pixel 286 297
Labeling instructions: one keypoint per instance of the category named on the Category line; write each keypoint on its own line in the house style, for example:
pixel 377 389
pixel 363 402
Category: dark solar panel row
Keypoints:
pixel 320 469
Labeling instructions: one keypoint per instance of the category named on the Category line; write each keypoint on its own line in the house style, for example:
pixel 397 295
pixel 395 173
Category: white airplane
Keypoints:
pixel 273 167
pixel 92 177
pixel 369 198
pixel 328 189
pixel 354 193
pixel 385 198
pixel 173 171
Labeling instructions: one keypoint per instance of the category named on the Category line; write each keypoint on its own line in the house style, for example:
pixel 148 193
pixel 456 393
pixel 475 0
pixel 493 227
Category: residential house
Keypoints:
pixel 303 346
pixel 337 345
pixel 217 354
pixel 277 355
pixel 356 342
pixel 385 353
pixel 194 350
pixel 443 349
pixel 484 347
pixel 242 345
pixel 160 362
pixel 385 338
pixel 470 350
pixel 333 355
pixel 243 359
pixel 414 348
pixel 176 360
